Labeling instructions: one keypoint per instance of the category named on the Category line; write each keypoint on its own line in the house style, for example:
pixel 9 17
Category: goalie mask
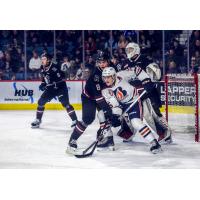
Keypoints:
pixel 154 72
pixel 109 76
pixel 132 49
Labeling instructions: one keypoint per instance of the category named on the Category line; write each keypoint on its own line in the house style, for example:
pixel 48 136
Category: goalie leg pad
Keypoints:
pixel 143 129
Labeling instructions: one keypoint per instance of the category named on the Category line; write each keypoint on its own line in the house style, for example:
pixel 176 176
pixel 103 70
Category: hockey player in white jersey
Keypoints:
pixel 140 62
pixel 126 94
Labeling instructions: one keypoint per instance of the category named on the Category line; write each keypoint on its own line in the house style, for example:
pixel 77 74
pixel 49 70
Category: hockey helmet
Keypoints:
pixel 132 49
pixel 101 56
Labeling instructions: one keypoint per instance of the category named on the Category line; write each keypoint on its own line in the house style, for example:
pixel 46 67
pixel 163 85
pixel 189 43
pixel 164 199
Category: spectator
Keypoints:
pixel 172 68
pixel 35 62
pixel 196 46
pixel 178 49
pixel 65 66
pixel 83 73
pixel 197 57
pixel 90 45
pixel 2 61
pixel 110 43
pixel 80 73
pixel 144 44
pixel 171 56
pixel 194 36
pixel 194 67
pixel 122 42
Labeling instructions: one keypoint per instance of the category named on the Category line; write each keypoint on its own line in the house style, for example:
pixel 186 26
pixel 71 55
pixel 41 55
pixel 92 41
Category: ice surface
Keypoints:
pixel 23 147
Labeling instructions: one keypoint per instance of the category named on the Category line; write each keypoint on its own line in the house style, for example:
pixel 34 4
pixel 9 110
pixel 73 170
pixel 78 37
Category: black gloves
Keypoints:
pixel 115 120
pixel 42 86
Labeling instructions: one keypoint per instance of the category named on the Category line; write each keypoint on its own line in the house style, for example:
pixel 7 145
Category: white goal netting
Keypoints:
pixel 182 103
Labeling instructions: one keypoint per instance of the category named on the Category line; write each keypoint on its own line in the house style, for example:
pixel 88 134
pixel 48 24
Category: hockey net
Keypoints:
pixel 182 103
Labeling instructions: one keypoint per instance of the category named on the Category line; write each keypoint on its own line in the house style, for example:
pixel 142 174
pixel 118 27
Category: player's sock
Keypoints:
pixel 36 123
pixel 77 132
pixel 71 112
pixel 40 111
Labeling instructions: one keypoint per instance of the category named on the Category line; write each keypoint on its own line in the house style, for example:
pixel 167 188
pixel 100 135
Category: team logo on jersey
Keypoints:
pixel 120 93
pixel 54 69
pixel 96 78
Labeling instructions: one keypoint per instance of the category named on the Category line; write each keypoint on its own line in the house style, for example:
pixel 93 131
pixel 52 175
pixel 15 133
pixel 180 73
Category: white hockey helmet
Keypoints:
pixel 132 49
pixel 109 71
pixel 154 72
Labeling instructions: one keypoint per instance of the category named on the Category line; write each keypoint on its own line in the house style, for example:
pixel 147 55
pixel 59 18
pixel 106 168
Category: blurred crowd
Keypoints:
pixel 23 48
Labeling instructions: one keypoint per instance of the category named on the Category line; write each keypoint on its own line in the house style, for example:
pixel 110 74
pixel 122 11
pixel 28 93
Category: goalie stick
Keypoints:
pixel 93 146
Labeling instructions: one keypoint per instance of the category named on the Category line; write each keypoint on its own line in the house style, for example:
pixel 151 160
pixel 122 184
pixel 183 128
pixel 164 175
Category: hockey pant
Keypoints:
pixel 62 95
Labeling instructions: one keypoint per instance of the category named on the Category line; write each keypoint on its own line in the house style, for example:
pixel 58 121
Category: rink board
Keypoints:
pixel 24 95
pixel 49 106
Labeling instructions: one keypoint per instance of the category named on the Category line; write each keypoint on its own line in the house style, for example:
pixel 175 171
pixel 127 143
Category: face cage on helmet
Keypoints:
pixel 130 52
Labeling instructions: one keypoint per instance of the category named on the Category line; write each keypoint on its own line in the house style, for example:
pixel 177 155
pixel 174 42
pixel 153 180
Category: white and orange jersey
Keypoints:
pixel 121 92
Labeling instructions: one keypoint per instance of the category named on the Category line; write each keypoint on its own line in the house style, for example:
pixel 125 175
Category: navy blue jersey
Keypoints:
pixel 52 74
pixel 94 85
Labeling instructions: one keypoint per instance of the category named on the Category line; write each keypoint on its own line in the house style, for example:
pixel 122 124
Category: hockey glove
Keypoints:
pixel 115 120
pixel 42 86
pixel 103 131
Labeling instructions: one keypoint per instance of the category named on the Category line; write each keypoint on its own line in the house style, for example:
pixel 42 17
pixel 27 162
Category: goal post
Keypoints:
pixel 182 102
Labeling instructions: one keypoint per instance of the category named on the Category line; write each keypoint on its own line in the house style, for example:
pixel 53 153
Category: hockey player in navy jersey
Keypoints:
pixel 92 100
pixel 53 85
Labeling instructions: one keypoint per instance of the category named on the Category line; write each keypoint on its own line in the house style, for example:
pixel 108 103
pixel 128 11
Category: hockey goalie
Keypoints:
pixel 126 105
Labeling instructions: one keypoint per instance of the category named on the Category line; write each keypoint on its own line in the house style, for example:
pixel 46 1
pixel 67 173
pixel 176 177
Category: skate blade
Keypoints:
pixel 102 149
pixel 165 142
pixel 34 127
pixel 71 151
pixel 156 151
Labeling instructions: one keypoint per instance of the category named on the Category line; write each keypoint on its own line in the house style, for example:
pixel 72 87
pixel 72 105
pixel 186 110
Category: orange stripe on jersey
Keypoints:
pixel 145 131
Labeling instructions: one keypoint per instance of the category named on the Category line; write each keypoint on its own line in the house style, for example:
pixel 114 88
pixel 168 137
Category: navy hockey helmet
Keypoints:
pixel 48 56
pixel 101 56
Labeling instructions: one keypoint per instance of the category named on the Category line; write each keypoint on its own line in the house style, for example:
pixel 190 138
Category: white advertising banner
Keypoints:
pixel 27 92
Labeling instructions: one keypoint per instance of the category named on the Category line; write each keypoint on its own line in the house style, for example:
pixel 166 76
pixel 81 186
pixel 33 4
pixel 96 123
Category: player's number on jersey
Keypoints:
pixel 98 87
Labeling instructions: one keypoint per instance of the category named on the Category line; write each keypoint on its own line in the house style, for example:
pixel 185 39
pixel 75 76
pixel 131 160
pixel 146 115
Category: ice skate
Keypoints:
pixel 166 138
pixel 106 143
pixel 72 147
pixel 36 123
pixel 155 147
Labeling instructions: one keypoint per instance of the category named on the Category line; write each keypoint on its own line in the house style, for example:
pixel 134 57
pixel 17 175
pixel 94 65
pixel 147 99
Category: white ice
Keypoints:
pixel 23 147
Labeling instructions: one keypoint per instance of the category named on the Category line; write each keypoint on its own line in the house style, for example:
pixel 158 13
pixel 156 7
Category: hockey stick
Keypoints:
pixel 93 146
pixel 84 154
pixel 134 102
